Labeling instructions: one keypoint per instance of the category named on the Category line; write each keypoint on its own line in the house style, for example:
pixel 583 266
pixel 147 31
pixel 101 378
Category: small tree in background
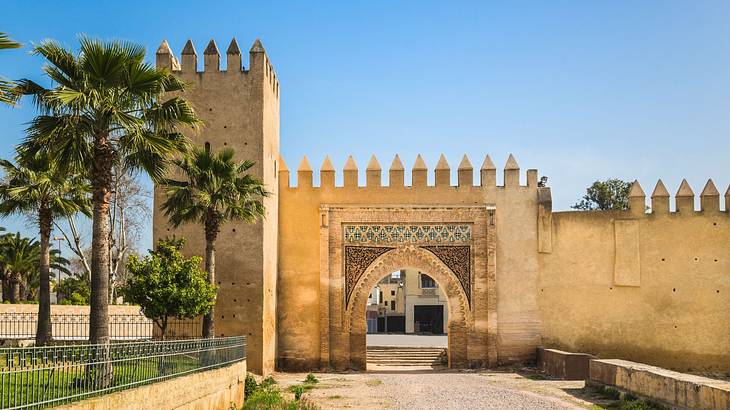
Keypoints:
pixel 166 284
pixel 609 195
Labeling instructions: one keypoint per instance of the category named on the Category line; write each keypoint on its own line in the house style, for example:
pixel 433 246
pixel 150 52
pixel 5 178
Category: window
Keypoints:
pixel 381 295
pixel 392 305
pixel 427 282
pixel 392 293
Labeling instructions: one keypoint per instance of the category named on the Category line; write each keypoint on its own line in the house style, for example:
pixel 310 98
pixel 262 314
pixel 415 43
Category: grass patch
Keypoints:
pixel 374 382
pixel 267 396
pixel 627 401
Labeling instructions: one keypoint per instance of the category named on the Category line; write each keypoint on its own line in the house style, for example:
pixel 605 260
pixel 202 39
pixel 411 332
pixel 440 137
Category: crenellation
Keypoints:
pixel 465 172
pixel 373 176
pixel 212 57
pixel 727 200
pixel 710 198
pixel 349 173
pixel 488 173
pixel 532 178
pixel 304 174
pixel 637 199
pixel 660 199
pixel 511 172
pixel 685 198
pixel 165 58
pixel 189 58
pixel 284 181
pixel 442 172
pixel 396 174
pixel 327 173
pixel 234 61
pixel 419 173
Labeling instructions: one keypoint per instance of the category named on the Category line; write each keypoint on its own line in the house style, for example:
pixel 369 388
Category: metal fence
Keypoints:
pixel 75 327
pixel 41 377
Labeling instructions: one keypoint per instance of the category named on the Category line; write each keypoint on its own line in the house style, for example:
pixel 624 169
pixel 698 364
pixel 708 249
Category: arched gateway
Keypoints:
pixel 363 244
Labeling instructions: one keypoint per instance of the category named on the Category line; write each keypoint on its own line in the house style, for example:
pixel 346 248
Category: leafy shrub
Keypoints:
pixel 268 382
pixel 298 391
pixel 249 386
pixel 311 379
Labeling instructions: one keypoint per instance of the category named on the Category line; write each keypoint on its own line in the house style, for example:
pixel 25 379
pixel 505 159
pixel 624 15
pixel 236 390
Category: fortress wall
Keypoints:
pixel 652 288
pixel 299 243
pixel 240 109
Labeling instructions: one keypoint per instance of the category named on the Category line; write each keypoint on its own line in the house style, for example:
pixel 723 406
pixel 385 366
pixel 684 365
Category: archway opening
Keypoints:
pixel 407 317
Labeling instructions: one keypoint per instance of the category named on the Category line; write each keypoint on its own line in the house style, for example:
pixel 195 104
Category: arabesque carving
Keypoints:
pixel 458 259
pixel 357 259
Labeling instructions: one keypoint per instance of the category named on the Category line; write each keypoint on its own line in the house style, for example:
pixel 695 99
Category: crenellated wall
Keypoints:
pixel 651 286
pixel 515 207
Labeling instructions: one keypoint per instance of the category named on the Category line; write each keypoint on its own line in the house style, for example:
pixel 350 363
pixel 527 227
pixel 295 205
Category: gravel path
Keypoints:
pixel 438 390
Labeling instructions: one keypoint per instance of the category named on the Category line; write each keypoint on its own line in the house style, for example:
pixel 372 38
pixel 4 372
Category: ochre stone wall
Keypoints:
pixel 217 389
pixel 302 291
pixel 240 110
pixel 652 288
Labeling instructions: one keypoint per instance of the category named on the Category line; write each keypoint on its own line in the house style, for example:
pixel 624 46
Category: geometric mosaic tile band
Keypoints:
pixel 409 233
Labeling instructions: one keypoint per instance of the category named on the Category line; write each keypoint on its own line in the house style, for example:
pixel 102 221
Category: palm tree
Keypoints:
pixel 7 96
pixel 106 108
pixel 19 256
pixel 37 187
pixel 215 189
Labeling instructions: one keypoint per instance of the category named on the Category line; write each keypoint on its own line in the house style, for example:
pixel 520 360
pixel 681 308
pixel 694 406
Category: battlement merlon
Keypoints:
pixel 419 174
pixel 684 199
pixel 258 61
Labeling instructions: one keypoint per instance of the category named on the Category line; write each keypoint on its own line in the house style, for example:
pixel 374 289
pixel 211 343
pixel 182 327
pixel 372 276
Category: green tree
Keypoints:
pixel 38 188
pixel 7 96
pixel 107 107
pixel 215 189
pixel 75 290
pixel 165 284
pixel 20 258
pixel 611 194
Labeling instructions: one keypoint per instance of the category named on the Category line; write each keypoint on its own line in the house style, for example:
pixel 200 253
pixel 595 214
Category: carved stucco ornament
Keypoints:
pixel 357 259
pixel 458 259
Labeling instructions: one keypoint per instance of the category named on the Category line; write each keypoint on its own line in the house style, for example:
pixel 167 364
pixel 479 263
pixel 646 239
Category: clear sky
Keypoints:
pixel 581 90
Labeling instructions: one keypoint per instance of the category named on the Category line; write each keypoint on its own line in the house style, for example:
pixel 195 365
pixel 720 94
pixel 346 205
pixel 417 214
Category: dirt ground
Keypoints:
pixel 509 388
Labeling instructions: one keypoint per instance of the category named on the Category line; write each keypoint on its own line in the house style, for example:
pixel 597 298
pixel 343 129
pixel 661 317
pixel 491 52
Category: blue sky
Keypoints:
pixel 580 90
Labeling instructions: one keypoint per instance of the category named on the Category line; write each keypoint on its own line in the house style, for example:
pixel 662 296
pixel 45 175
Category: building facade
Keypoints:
pixel 645 286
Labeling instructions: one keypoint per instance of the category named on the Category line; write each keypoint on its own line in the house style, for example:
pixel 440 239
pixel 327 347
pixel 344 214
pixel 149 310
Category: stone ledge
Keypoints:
pixel 216 389
pixel 564 365
pixel 668 387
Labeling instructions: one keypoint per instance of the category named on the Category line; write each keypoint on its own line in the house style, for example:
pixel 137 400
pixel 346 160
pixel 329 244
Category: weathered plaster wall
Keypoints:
pixel 217 389
pixel 652 288
pixel 299 243
pixel 240 110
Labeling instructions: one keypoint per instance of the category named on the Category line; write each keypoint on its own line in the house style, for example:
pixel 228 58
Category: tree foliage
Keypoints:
pixel 166 284
pixel 7 96
pixel 107 107
pixel 215 189
pixel 609 195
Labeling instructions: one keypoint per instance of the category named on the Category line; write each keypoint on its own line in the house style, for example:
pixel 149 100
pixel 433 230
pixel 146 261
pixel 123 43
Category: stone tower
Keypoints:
pixel 240 110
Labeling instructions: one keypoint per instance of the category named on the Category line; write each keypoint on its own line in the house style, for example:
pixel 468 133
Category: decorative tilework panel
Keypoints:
pixel 422 233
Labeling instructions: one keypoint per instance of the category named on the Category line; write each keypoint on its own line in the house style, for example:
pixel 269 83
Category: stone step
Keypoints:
pixel 405 356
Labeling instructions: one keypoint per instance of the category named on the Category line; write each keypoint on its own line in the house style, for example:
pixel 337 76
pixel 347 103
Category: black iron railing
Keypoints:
pixel 75 327
pixel 40 377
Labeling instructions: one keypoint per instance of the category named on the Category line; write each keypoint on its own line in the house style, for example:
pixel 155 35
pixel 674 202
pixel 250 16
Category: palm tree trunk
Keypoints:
pixel 43 330
pixel 101 193
pixel 14 287
pixel 211 233
pixel 101 182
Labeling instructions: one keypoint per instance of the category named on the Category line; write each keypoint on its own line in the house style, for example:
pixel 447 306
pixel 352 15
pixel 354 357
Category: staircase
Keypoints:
pixel 406 356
